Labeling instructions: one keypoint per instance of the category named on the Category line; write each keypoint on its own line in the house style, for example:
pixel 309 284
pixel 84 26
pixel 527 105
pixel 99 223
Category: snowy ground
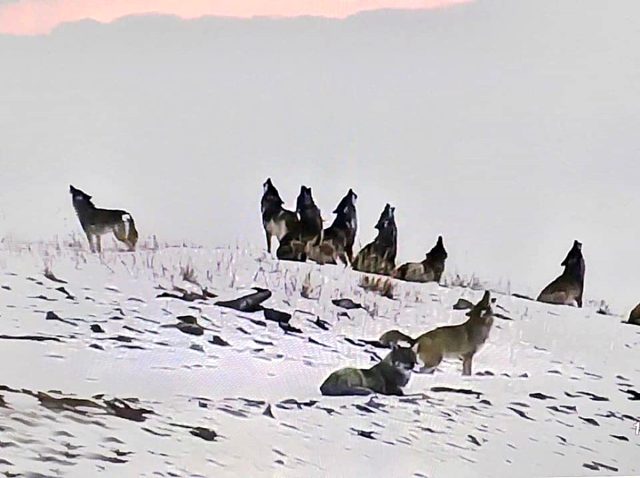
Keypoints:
pixel 554 391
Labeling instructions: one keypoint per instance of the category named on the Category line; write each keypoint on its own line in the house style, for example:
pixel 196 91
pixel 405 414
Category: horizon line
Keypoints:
pixel 37 18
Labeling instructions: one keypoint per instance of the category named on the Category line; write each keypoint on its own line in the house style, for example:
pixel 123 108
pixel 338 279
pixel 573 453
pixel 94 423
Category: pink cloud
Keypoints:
pixel 33 17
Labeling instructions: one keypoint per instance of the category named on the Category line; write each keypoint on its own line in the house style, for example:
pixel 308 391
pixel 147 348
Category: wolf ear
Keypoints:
pixel 484 303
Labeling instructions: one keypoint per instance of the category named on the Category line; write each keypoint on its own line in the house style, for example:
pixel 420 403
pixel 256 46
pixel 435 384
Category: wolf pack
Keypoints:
pixel 301 237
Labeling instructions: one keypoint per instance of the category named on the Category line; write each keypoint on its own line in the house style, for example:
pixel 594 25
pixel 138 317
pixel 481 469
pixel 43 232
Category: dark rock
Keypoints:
pixel 187 319
pixel 276 315
pixel 463 304
pixel 288 328
pixel 346 304
pixel 191 329
pixel 217 340
pixel 204 433
pixel 247 303
pixel 268 412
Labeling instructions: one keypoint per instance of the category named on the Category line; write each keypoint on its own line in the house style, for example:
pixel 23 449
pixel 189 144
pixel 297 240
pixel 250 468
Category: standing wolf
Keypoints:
pixel 379 256
pixel 305 233
pixel 95 221
pixel 568 287
pixel 450 341
pixel 276 220
pixel 338 239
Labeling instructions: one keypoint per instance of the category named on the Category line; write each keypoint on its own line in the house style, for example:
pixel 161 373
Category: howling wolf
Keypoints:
pixel 306 232
pixel 276 220
pixel 338 239
pixel 567 288
pixel 379 256
pixel 430 269
pixel 96 222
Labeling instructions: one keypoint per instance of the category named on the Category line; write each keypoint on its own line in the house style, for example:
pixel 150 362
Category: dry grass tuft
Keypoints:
pixel 308 290
pixel 380 285
pixel 188 274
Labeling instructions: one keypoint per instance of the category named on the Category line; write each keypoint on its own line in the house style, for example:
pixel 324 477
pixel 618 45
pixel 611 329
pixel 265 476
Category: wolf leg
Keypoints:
pixel 344 258
pixel 90 239
pixel 342 390
pixel 467 361
pixel 349 251
pixel 98 243
pixel 395 391
pixel 430 359
pixel 120 233
pixel 268 236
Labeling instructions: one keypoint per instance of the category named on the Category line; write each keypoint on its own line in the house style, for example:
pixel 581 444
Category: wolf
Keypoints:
pixel 568 287
pixel 386 377
pixel 307 230
pixel 338 239
pixel 276 220
pixel 634 316
pixel 95 221
pixel 452 341
pixel 430 269
pixel 379 256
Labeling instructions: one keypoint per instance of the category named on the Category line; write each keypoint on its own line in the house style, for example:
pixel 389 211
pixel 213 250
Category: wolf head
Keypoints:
pixel 270 193
pixel 574 255
pixel 483 309
pixel 574 262
pixel 437 253
pixel 402 358
pixel 347 203
pixel 305 199
pixel 387 218
pixel 79 197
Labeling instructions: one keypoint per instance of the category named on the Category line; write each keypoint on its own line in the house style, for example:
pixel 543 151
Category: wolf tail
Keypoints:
pixel 131 233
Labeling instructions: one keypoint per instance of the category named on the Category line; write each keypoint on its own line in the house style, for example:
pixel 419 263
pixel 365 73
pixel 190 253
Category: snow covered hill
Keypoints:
pixel 96 378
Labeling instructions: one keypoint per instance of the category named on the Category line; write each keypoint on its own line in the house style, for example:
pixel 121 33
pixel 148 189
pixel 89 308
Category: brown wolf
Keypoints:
pixel 430 269
pixel 379 256
pixel 456 341
pixel 338 239
pixel 568 287
pixel 95 221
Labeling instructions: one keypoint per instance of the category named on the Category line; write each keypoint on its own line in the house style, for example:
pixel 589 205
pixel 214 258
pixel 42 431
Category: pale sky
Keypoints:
pixel 33 17
pixel 510 128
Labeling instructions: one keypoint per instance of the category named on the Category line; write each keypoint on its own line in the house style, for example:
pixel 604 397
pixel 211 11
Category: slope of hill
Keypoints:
pixel 97 379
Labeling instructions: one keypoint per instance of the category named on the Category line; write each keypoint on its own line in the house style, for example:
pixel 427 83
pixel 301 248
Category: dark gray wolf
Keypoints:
pixel 387 377
pixel 306 232
pixel 276 220
pixel 568 287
